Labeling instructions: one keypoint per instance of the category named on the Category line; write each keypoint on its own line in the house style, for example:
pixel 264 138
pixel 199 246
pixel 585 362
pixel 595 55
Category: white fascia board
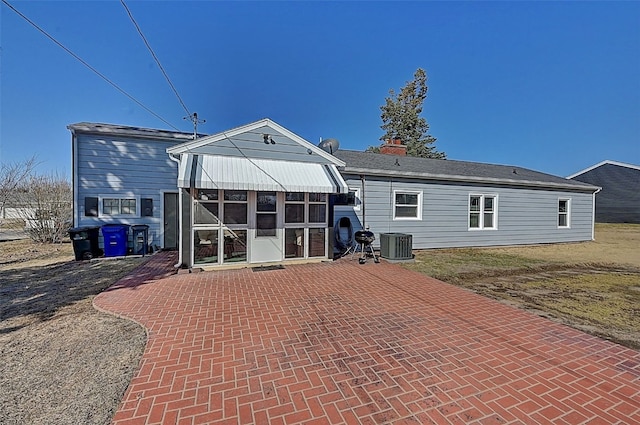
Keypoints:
pixel 600 164
pixel 471 179
pixel 186 147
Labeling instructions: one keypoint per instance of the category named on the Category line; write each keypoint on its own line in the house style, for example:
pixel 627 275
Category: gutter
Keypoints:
pixel 469 179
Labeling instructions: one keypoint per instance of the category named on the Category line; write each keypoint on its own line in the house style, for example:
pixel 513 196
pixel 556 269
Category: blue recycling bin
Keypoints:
pixel 115 239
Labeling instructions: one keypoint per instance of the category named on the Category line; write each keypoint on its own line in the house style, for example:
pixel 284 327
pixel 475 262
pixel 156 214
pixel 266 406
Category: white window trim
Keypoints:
pixel 419 206
pixel 101 213
pixel 568 213
pixel 355 207
pixel 307 223
pixel 481 212
pixel 308 203
pixel 194 201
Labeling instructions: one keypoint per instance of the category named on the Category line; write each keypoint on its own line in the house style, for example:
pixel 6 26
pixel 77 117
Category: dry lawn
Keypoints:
pixel 593 286
pixel 63 362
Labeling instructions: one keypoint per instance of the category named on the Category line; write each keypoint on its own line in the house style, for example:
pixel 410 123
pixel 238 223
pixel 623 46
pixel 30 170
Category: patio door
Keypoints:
pixel 267 239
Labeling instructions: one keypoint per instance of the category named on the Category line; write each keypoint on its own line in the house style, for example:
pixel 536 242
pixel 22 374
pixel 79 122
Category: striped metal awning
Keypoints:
pixel 241 173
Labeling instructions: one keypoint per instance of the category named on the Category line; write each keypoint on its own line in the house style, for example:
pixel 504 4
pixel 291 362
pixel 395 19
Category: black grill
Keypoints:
pixel 365 238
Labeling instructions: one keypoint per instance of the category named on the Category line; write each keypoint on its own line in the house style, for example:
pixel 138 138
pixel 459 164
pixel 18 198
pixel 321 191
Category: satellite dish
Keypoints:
pixel 329 145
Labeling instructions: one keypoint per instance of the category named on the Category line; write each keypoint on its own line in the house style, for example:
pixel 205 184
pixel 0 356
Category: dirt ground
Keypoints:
pixel 63 362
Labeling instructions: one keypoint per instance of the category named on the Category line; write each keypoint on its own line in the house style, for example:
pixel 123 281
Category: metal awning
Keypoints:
pixel 240 173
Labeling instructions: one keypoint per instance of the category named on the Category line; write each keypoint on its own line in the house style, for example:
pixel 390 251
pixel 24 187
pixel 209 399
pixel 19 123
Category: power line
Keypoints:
pixel 88 66
pixel 155 57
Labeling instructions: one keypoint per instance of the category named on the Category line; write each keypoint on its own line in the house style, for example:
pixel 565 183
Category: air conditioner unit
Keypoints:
pixel 396 246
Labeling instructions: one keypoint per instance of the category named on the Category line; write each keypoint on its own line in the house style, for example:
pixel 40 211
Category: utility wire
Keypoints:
pixel 155 57
pixel 88 66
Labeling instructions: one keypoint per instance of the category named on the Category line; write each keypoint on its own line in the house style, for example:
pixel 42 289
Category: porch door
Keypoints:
pixel 267 239
pixel 170 215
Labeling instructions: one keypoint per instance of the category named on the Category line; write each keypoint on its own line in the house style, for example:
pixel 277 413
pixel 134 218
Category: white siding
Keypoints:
pixel 524 216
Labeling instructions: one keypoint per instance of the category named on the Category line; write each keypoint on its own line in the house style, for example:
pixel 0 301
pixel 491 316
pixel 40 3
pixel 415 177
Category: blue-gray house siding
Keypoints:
pixel 523 216
pixel 124 163
pixel 112 161
pixel 526 202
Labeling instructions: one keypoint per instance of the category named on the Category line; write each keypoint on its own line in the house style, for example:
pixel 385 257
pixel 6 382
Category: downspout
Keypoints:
pixel 74 177
pixel 593 215
pixel 179 264
pixel 364 227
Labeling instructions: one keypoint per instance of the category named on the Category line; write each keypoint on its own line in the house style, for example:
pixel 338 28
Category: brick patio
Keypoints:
pixel 343 343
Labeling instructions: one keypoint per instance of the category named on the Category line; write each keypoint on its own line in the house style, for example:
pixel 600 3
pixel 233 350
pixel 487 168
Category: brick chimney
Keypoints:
pixel 394 147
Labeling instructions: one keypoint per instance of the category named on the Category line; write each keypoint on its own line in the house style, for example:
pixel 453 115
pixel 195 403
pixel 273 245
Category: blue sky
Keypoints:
pixel 552 86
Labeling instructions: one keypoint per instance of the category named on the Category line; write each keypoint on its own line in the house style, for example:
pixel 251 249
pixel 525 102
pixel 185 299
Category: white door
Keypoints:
pixel 267 238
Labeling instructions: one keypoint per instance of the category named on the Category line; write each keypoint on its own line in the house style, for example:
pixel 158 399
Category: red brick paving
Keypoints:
pixel 343 343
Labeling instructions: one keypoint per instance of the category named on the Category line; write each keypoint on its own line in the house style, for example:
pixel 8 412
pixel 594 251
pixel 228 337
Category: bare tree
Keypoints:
pixel 13 177
pixel 46 206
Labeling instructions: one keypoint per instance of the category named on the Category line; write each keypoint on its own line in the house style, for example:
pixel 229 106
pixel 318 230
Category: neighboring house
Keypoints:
pixel 619 199
pixel 259 194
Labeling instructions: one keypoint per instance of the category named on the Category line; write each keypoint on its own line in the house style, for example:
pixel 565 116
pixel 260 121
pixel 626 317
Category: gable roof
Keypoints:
pixel 262 139
pixel 125 130
pixel 449 170
pixel 600 164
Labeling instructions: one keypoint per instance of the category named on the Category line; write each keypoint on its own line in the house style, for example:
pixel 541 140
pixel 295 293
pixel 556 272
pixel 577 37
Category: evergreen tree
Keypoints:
pixel 401 119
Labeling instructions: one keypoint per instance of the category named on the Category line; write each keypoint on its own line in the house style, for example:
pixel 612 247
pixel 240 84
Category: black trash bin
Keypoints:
pixel 85 242
pixel 140 234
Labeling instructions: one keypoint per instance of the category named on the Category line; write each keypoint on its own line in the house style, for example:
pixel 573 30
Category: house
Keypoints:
pixel 446 203
pixel 123 175
pixel 619 199
pixel 260 194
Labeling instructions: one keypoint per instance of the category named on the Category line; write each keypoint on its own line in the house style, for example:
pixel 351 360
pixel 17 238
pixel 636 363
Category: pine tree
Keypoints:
pixel 401 119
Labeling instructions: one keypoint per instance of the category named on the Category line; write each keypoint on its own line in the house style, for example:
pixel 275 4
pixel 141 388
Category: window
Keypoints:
pixel 563 212
pixel 294 243
pixel 266 214
pixel 407 205
pixel 351 199
pixel 318 208
pixel 482 211
pixel 294 207
pixel 235 207
pixel 317 244
pixel 119 206
pixel 206 207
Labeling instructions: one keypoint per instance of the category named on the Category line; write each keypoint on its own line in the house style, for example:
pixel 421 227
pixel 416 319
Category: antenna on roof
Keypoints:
pixel 329 145
pixel 194 119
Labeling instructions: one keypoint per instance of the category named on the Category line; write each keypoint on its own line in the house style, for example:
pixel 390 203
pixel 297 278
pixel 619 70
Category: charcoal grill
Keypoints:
pixel 364 240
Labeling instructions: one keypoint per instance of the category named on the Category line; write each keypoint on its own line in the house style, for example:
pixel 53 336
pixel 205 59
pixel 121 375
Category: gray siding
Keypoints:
pixel 524 216
pixel 106 166
pixel 619 200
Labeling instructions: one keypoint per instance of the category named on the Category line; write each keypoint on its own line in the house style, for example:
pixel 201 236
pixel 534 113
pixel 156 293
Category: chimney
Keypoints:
pixel 394 147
